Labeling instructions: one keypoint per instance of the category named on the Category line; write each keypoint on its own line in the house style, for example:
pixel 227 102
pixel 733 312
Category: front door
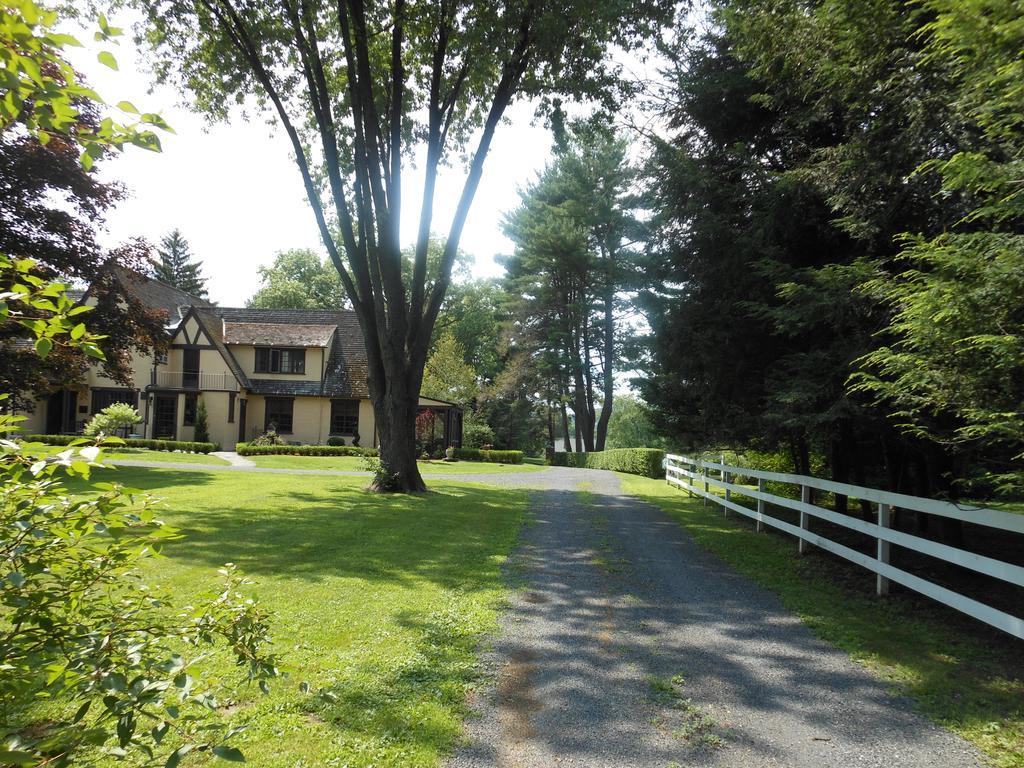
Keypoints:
pixel 165 417
pixel 60 412
pixel 241 420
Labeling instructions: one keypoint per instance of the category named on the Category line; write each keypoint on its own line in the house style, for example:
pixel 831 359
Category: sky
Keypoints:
pixel 234 191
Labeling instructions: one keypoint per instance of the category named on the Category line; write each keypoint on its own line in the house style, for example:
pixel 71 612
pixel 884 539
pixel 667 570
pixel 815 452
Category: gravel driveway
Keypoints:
pixel 629 646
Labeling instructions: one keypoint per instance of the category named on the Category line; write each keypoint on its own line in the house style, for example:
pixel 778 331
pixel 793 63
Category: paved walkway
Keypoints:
pixel 235 459
pixel 630 647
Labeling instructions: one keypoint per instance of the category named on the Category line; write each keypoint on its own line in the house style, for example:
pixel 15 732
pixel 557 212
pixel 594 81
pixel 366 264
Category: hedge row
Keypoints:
pixel 635 461
pixel 496 457
pixel 245 449
pixel 131 442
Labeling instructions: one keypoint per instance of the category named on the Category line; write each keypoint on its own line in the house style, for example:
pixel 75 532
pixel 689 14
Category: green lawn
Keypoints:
pixel 380 601
pixel 356 464
pixel 963 675
pixel 135 454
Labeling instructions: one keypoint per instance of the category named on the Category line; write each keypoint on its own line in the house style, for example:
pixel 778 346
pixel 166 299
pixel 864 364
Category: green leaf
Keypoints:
pixel 176 755
pixel 43 346
pixel 81 712
pixel 127 106
pixel 231 754
pixel 107 58
pixel 9 757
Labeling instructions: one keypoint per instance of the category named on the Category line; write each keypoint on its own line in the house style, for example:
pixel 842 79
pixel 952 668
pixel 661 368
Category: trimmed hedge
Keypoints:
pixel 496 457
pixel 245 449
pixel 131 442
pixel 635 461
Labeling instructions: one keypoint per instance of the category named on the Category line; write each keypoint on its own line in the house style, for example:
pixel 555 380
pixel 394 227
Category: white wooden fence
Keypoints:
pixel 700 477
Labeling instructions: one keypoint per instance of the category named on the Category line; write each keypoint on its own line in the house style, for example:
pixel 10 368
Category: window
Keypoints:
pixel 279 414
pixel 275 360
pixel 189 414
pixel 231 407
pixel 190 369
pixel 344 417
pixel 101 398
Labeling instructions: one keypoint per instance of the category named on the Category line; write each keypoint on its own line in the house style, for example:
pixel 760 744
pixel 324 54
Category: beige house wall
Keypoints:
pixel 311 420
pixel 246 357
pixel 35 422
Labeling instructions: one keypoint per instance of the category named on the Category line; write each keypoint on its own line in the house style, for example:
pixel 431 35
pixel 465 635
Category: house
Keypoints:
pixel 301 371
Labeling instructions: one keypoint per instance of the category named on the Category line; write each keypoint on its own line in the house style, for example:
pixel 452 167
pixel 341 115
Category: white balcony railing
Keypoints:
pixel 197 380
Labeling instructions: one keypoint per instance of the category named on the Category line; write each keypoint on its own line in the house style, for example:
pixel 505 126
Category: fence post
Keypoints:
pixel 707 488
pixel 805 519
pixel 760 505
pixel 725 479
pixel 884 521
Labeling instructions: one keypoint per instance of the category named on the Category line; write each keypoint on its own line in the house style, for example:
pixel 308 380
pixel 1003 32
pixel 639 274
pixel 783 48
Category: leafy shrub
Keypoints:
pixel 115 418
pixel 425 423
pixel 81 633
pixel 336 441
pixel 188 446
pixel 476 433
pixel 270 437
pixel 68 575
pixel 251 449
pixel 497 457
pixel 635 461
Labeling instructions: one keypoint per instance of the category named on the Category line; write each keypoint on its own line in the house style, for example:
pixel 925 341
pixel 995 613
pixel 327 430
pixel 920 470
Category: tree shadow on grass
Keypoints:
pixel 333 528
pixel 143 479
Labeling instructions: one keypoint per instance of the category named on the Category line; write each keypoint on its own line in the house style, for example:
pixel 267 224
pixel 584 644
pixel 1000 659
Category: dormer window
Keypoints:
pixel 280 360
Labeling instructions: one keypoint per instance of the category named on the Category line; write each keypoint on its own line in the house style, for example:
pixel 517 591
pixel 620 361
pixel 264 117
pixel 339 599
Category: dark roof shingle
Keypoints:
pixel 156 295
pixel 285 334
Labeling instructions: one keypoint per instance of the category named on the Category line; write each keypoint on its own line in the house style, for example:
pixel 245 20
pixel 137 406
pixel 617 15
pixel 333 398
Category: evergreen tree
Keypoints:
pixel 570 267
pixel 176 266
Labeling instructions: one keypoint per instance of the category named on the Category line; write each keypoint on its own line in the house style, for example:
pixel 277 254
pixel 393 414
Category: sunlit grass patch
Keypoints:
pixel 379 603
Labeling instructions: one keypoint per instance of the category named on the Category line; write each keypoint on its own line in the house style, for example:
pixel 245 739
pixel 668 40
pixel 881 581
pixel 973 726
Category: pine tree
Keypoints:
pixel 176 266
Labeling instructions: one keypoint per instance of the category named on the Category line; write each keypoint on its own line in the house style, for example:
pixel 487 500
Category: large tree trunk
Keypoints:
pixel 396 431
pixel 394 375
pixel 609 367
pixel 567 438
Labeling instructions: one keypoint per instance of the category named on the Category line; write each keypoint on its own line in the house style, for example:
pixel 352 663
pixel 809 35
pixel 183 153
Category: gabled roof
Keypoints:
pixel 346 370
pixel 283 334
pixel 212 325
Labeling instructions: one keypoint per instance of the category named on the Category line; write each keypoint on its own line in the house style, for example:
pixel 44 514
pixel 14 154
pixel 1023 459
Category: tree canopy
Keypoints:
pixel 356 86
pixel 298 279
pixel 835 240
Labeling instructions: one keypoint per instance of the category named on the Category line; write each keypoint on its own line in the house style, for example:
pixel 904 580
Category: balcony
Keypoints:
pixel 194 380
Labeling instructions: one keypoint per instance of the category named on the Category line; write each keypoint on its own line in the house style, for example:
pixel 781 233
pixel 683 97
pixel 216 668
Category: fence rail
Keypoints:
pixel 695 476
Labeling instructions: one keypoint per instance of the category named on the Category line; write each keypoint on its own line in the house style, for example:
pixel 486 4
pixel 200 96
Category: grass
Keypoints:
pixel 134 454
pixel 964 676
pixel 357 464
pixel 379 604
